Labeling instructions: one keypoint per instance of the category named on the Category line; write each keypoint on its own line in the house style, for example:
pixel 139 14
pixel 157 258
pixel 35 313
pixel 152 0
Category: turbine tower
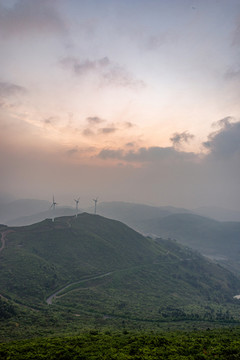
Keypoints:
pixel 77 201
pixel 95 205
pixel 53 206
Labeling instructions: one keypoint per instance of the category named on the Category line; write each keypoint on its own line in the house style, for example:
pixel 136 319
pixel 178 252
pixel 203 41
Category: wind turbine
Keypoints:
pixel 95 205
pixel 53 206
pixel 77 201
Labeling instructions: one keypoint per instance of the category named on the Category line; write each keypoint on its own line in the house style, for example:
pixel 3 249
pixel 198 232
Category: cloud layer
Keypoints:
pixel 225 143
pixel 157 175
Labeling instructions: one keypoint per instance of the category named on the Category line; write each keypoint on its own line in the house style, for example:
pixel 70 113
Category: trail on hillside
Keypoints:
pixel 53 296
pixel 3 238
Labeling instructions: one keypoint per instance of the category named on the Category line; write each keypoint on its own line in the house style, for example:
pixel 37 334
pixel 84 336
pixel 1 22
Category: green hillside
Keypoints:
pixel 90 271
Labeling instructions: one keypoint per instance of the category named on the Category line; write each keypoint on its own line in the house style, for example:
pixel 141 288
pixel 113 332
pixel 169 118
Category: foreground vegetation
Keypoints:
pixel 211 344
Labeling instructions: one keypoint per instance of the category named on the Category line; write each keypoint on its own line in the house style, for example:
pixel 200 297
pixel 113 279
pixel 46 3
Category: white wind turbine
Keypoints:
pixel 53 206
pixel 77 201
pixel 95 205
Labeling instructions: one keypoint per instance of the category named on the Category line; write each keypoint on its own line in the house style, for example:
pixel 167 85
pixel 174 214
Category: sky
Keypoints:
pixel 126 100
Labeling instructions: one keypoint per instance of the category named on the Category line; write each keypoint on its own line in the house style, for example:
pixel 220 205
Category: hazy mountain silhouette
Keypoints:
pixel 217 213
pixel 218 240
pixel 21 207
pixel 133 214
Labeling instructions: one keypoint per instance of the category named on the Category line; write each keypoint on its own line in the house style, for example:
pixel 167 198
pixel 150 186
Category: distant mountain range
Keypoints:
pixel 40 216
pixel 27 211
pixel 21 208
pixel 133 214
pixel 217 213
pixel 218 240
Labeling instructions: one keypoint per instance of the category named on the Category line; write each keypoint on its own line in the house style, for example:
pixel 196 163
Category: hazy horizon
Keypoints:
pixel 129 101
pixel 86 204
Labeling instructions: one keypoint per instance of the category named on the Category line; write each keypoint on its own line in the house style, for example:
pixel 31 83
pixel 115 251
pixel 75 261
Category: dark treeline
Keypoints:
pixel 211 344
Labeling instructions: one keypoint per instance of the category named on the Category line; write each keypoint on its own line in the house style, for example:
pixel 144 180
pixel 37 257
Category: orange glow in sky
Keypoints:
pixel 145 92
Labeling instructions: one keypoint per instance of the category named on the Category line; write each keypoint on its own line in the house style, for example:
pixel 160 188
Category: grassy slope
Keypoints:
pixel 179 284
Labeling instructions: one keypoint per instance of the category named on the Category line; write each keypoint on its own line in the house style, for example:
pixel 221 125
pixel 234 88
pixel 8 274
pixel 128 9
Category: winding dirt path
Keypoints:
pixel 50 298
pixel 53 296
pixel 3 238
